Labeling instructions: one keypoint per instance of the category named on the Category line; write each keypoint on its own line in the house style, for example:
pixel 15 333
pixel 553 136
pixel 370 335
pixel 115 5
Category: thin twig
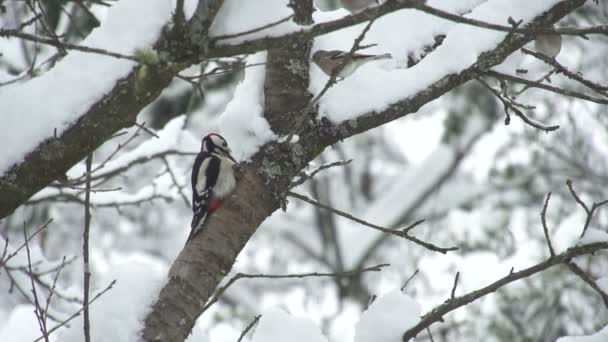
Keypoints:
pixel 453 293
pixel 535 84
pixel 587 279
pixel 249 326
pixel 574 31
pixel 576 198
pixel 243 33
pixel 544 222
pixel 3 261
pixel 146 129
pixel 510 105
pixel 559 68
pixel 590 212
pixel 409 279
pixel 304 176
pixel 64 45
pixel 77 313
pixel 85 249
pixel 428 330
pixel 397 232
pixel 238 276
pixel 438 312
pixel 180 188
pixel 38 311
pixel 52 290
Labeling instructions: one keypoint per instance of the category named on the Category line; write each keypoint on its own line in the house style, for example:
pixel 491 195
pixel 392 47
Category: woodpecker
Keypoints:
pixel 212 179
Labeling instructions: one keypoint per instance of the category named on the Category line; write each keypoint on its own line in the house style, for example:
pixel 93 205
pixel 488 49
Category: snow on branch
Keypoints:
pixel 41 108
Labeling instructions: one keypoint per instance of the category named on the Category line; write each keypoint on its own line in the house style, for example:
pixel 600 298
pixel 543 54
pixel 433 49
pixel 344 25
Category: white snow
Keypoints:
pixel 600 336
pixel 243 123
pixel 32 111
pixel 373 88
pixel 237 16
pixel 117 315
pixel 603 283
pixel 593 235
pixel 172 137
pixel 21 325
pixel 388 318
pixel 278 326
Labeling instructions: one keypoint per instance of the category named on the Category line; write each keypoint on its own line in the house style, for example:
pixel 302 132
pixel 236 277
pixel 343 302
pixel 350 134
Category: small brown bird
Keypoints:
pixel 356 6
pixel 328 61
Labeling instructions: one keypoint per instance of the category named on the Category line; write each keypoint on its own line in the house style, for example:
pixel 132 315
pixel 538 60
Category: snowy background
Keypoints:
pixel 479 184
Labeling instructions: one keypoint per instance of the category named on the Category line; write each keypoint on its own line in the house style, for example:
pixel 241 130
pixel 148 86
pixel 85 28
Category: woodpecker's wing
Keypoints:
pixel 204 177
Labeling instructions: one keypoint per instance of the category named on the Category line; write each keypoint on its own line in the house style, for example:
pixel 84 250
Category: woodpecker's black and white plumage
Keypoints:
pixel 212 179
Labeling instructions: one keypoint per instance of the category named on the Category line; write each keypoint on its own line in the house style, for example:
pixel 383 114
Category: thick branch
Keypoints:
pixel 113 111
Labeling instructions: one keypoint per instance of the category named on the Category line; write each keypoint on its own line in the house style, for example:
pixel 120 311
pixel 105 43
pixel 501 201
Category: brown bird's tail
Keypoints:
pixel 383 56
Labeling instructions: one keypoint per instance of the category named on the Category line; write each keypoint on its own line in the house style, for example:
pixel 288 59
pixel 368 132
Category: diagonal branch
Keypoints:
pixel 402 232
pixel 587 279
pixel 452 304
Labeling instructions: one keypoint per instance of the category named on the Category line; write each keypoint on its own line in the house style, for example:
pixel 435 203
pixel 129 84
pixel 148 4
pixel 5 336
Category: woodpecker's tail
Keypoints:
pixel 196 226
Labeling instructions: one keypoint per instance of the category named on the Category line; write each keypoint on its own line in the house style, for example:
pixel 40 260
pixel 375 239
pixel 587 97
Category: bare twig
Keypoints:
pixel 249 326
pixel 238 276
pixel 428 330
pixel 409 279
pixel 64 45
pixel 535 84
pixel 52 289
pixel 77 313
pixel 438 312
pixel 545 228
pixel 85 249
pixel 403 233
pixel 453 293
pixel 575 196
pixel 304 176
pixel 257 29
pixel 180 188
pixel 559 68
pixel 120 146
pixel 574 31
pixel 511 106
pixel 590 212
pixel 146 129
pixel 587 279
pixel 4 260
pixel 38 310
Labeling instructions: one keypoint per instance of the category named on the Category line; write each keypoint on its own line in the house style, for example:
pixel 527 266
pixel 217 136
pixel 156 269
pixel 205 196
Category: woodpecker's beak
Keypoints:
pixel 228 151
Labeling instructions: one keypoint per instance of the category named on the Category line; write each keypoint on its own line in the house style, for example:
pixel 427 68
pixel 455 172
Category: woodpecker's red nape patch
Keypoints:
pixel 214 204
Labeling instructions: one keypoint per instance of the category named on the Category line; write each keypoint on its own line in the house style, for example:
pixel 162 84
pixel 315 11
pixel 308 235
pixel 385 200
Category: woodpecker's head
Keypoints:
pixel 215 143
